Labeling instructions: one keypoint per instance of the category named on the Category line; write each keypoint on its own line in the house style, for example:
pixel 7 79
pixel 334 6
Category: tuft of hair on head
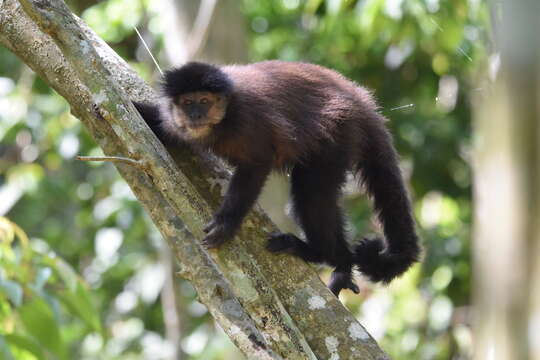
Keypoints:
pixel 195 77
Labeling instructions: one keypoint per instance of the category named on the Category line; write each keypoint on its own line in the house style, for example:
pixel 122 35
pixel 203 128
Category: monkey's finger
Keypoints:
pixel 335 290
pixel 214 238
pixel 354 288
pixel 208 227
pixel 210 243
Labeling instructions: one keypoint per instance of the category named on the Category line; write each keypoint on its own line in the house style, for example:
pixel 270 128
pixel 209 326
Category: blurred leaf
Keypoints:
pixel 43 274
pixel 7 231
pixel 312 6
pixel 25 343
pixel 4 350
pixel 80 304
pixel 12 289
pixel 28 175
pixel 64 271
pixel 39 321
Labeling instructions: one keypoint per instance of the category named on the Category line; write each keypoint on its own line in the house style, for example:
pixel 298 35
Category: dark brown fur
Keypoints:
pixel 289 110
pixel 317 124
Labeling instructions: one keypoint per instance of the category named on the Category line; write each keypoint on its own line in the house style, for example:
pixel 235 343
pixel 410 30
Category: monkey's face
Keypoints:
pixel 196 113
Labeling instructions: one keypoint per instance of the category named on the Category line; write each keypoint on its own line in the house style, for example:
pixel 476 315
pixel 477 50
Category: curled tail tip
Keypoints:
pixel 378 265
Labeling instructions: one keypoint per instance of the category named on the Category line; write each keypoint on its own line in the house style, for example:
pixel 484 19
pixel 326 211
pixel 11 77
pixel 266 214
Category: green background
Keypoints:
pixel 90 272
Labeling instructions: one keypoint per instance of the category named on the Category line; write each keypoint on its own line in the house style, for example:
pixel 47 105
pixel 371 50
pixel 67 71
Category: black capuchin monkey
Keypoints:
pixel 305 119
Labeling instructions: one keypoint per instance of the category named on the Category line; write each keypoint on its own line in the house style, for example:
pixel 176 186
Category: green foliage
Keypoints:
pixel 34 286
pixel 418 57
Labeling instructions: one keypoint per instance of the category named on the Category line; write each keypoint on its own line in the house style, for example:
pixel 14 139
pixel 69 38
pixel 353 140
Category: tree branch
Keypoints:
pixel 259 299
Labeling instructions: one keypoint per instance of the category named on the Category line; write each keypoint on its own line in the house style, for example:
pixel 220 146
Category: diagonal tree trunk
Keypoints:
pixel 271 306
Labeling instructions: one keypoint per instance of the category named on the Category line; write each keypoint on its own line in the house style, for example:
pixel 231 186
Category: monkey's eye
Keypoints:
pixel 187 102
pixel 203 101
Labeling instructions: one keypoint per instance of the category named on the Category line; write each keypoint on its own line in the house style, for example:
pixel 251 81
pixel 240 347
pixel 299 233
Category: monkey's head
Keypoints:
pixel 198 95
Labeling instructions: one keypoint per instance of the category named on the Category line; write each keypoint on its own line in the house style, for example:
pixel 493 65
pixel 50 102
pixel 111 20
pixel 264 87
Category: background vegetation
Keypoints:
pixel 88 266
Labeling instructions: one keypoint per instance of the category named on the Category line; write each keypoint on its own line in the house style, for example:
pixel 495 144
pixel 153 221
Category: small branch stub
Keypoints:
pixel 119 159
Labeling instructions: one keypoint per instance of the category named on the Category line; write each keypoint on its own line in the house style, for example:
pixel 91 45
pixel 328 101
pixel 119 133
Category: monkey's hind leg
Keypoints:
pixel 291 244
pixel 315 191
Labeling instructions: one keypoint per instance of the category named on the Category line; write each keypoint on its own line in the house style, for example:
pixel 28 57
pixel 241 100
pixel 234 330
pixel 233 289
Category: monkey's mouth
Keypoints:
pixel 195 131
pixel 192 126
pixel 198 126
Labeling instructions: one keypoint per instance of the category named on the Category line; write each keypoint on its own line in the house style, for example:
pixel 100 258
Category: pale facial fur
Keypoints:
pixel 203 127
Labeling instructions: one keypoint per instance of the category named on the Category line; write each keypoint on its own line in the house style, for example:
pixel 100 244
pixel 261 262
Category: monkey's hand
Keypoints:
pixel 216 234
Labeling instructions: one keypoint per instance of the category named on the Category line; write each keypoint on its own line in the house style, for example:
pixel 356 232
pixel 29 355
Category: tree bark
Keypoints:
pixel 271 306
pixel 194 25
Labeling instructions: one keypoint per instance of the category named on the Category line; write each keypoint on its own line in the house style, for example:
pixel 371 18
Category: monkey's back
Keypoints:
pixel 294 110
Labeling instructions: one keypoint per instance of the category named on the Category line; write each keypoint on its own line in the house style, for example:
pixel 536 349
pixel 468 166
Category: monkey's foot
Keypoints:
pixel 282 242
pixel 342 280
pixel 291 244
pixel 217 234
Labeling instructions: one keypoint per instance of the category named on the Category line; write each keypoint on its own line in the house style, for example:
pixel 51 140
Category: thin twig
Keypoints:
pixel 401 107
pixel 148 49
pixel 120 159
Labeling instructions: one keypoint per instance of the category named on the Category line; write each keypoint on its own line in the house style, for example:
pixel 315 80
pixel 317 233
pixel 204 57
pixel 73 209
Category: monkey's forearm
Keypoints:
pixel 244 188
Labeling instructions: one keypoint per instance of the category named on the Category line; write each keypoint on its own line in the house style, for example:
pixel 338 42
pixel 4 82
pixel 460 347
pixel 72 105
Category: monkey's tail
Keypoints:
pixel 379 259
